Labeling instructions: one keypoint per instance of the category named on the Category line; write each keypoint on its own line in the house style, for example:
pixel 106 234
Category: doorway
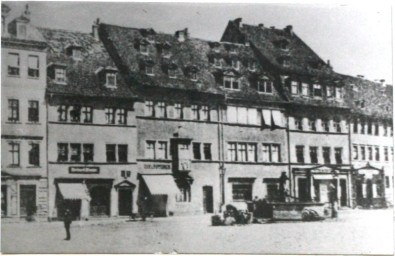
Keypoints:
pixel 304 190
pixel 208 204
pixel 125 201
pixel 100 201
pixel 27 200
pixel 343 192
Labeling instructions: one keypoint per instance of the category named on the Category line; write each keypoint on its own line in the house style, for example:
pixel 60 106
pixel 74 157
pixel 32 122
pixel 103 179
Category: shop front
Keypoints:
pixel 322 184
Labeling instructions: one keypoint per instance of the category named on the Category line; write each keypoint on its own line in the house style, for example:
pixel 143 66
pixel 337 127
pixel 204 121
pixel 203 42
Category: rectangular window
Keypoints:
pixel 111 79
pixel 355 152
pixel 195 112
pixel 386 158
pixel 370 153
pixel 313 155
pixel 86 114
pixel 231 83
pixel 13 64
pixel 329 91
pixel 336 126
pixel 377 153
pixel 15 153
pixel 207 151
pixel 300 154
pixel 232 149
pixel 265 86
pixel 338 155
pixel 161 153
pixel 87 152
pixel 339 93
pixel 34 154
pixel 294 87
pixel 111 153
pixel 143 49
pixel 179 113
pixel 235 64
pixel 251 152
pixel 77 55
pixel 13 108
pixel 123 153
pixel 275 153
pixel 60 75
pixel 317 90
pixel 241 152
pixel 370 127
pixel 242 191
pixel 75 114
pixel 196 151
pixel 387 181
pixel 33 69
pixel 110 115
pixel 305 89
pixel 150 149
pixel 385 128
pixel 205 116
pixel 149 108
pixel 325 125
pixel 362 128
pixel 355 126
pixel 298 123
pixel 33 111
pixel 161 113
pixel 326 155
pixel 149 70
pixel 122 115
pixel 63 152
pixel 62 113
pixel 75 152
pixel 266 153
pixel 217 62
pixel 312 125
pixel 363 153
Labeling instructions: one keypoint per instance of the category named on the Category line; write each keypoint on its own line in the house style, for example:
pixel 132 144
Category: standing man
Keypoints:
pixel 67 219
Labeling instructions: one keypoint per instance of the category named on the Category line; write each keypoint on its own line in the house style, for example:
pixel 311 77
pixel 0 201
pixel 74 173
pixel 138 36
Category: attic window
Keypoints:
pixel 144 49
pixel 60 75
pixel 151 38
pixel 77 54
pixel 111 79
pixel 294 87
pixel 329 91
pixel 317 90
pixel 165 51
pixel 231 83
pixel 286 62
pixel 149 70
pixel 252 65
pixel 265 86
pixel 22 30
pixel 339 93
pixel 193 76
pixel 172 73
pixel 217 62
pixel 236 64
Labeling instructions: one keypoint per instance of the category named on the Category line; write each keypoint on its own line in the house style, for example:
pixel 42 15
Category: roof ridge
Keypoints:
pixel 63 30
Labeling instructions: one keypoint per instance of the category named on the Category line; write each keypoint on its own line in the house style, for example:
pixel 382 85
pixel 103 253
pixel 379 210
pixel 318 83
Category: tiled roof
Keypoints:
pixel 81 77
pixel 192 54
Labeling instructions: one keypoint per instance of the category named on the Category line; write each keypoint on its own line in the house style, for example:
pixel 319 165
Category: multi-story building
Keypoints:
pixel 23 111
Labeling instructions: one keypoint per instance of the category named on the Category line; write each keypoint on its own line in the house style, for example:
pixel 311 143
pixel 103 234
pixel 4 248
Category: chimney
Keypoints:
pixel 182 35
pixel 289 30
pixel 382 82
pixel 272 27
pixel 95 29
pixel 328 63
pixel 26 13
pixel 238 22
pixel 5 11
pixel 360 76
pixel 260 25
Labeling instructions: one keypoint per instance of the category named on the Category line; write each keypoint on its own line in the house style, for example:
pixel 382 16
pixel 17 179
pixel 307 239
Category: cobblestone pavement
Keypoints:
pixel 355 231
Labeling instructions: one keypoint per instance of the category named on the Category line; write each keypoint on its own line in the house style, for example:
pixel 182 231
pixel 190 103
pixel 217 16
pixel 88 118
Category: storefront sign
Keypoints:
pixel 157 166
pixel 322 170
pixel 84 169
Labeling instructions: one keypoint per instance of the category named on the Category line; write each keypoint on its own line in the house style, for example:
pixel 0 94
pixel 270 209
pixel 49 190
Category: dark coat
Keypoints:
pixel 67 218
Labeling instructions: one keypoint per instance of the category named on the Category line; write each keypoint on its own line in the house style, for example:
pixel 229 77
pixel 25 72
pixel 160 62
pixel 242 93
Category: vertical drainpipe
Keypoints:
pixel 46 153
pixel 291 178
pixel 350 183
pixel 221 157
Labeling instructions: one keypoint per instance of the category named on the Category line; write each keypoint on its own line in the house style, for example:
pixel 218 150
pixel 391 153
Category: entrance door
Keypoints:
pixel 3 200
pixel 208 199
pixel 343 192
pixel 303 188
pixel 125 201
pixel 100 201
pixel 27 199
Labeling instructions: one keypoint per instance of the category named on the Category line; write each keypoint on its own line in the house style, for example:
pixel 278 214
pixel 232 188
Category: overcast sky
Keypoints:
pixel 357 40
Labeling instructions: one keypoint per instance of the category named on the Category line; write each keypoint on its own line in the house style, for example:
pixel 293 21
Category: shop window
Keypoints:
pixel 196 151
pixel 232 156
pixel 207 151
pixel 33 69
pixel 386 158
pixel 363 153
pixel 86 114
pixel 205 116
pixel 326 155
pixel 13 64
pixel 60 75
pixel 14 153
pixel 122 116
pixel 300 154
pixel 13 110
pixel 195 112
pixel 33 111
pixel 242 191
pixel 338 155
pixel 88 152
pixel 355 152
pixel 62 113
pixel 123 153
pixel 75 114
pixel 150 149
pixel 75 152
pixel 179 113
pixel 377 153
pixel 370 153
pixel 63 152
pixel 149 109
pixel 231 83
pixel 34 154
pixel 270 152
pixel 161 153
pixel 251 152
pixel 110 115
pixel 111 153
pixel 314 155
pixel 265 86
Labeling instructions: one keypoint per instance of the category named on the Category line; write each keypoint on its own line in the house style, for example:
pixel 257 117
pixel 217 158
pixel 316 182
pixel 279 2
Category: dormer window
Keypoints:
pixel 109 75
pixel 294 87
pixel 151 38
pixel 252 65
pixel 217 62
pixel 111 79
pixel 165 51
pixel 329 91
pixel 339 93
pixel 172 73
pixel 286 63
pixel 305 89
pixel 21 30
pixel 193 76
pixel 149 70
pixel 60 75
pixel 77 54
pixel 265 86
pixel 144 49
pixel 232 83
pixel 74 51
pixel 236 64
pixel 317 90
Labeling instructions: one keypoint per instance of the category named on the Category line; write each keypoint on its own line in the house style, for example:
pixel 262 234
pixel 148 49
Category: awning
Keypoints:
pixel 74 191
pixel 161 184
pixel 266 117
pixel 278 118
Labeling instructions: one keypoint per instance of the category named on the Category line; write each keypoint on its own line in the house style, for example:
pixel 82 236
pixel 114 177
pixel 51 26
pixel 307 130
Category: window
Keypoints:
pixel 122 153
pixel 77 55
pixel 86 114
pixel 33 111
pixel 298 123
pixel 266 153
pixel 122 116
pixel 34 154
pixel 336 126
pixel 205 113
pixel 196 151
pixel 363 153
pixel 241 152
pixel 193 76
pixel 242 191
pixel 207 151
pixel 15 153
pixel 312 125
pixel 60 75
pixel 272 190
pixel 149 70
pixel 265 86
pixel 161 110
pixel 87 152
pixel 305 89
pixel 275 153
pixel 317 90
pixel 232 156
pixel 33 66
pixel 386 158
pixel 63 152
pixel 75 152
pixel 235 64
pixel 313 155
pixel 144 49
pixel 300 154
pixel 326 155
pixel 362 127
pixel 149 108
pixel 150 149
pixel 111 153
pixel 355 126
pixel 252 65
pixel 162 150
pixel 13 107
pixel 172 73
pixel 195 112
pixel 387 181
pixel 75 114
pixel 385 128
pixel 325 125
pixel 111 79
pixel 179 113
pixel 339 93
pixel 62 111
pixel 110 115
pixel 370 153
pixel 231 83
pixel 329 91
pixel 370 126
pixel 251 152
pixel 294 87
pixel 13 64
pixel 355 152
pixel 377 153
pixel 338 155
pixel 271 152
pixel 217 62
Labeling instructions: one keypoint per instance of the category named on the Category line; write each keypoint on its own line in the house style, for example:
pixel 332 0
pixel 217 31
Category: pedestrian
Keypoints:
pixel 333 199
pixel 67 219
